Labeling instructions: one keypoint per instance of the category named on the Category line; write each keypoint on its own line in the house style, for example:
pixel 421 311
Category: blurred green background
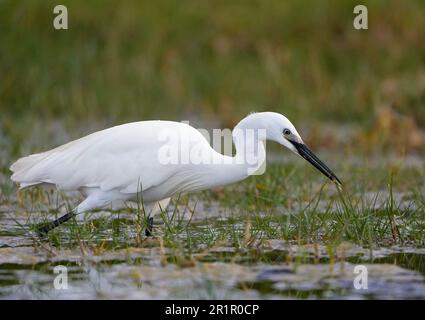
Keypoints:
pixel 214 61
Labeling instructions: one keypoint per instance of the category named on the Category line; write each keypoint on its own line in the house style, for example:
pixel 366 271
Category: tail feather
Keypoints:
pixel 22 170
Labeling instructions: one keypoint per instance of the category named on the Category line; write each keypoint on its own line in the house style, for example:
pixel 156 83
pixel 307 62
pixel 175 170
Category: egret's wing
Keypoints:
pixel 123 157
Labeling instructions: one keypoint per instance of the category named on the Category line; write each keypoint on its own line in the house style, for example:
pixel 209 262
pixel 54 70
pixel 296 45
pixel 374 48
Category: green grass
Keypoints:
pixel 261 209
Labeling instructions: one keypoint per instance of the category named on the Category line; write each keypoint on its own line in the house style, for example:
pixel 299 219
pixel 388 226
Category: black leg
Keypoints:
pixel 45 228
pixel 148 230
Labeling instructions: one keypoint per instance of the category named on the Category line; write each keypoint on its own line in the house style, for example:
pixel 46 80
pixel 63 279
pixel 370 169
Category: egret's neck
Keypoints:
pixel 250 149
pixel 249 159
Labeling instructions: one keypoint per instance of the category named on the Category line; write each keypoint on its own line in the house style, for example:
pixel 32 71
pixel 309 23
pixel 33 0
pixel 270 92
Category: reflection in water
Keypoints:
pixel 223 273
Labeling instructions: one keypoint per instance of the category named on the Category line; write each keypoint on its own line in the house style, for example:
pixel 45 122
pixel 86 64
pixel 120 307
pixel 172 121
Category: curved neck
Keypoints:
pixel 250 148
pixel 249 159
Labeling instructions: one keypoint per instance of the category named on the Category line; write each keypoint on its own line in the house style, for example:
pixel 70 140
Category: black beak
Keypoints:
pixel 307 154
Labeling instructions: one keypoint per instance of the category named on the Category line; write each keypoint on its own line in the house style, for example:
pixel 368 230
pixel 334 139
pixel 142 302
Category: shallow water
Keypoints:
pixel 273 269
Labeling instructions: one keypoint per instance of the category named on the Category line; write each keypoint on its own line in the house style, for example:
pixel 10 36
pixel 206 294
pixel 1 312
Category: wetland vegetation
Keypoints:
pixel 358 98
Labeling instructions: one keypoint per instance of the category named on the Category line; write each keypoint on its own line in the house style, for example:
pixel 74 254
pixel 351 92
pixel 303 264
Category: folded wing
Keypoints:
pixel 123 157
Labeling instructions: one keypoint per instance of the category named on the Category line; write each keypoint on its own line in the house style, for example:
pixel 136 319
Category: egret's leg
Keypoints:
pixel 154 209
pixel 148 230
pixel 95 200
pixel 45 228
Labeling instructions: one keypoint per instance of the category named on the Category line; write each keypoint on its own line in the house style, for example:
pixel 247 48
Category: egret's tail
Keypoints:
pixel 23 170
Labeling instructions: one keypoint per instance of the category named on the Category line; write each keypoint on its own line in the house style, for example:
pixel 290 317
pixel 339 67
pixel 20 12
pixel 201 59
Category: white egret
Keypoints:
pixel 129 161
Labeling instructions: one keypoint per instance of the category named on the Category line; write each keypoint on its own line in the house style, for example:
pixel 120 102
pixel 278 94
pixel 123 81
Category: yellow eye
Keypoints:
pixel 286 132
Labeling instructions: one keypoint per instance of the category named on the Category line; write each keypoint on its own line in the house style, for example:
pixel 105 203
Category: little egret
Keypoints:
pixel 130 161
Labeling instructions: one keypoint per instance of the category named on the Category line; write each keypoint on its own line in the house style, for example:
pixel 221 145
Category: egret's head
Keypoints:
pixel 282 131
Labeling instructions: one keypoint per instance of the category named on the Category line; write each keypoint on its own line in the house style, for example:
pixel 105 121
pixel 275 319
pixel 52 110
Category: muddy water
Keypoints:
pixel 272 270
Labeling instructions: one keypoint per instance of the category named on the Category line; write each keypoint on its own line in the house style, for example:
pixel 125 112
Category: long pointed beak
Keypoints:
pixel 307 154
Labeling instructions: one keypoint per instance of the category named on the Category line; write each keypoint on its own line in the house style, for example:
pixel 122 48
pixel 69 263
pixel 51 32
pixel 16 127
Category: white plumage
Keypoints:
pixel 113 158
pixel 115 164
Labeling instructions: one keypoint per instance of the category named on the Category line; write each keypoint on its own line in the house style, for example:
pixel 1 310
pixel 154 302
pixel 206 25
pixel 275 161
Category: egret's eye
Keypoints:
pixel 286 132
